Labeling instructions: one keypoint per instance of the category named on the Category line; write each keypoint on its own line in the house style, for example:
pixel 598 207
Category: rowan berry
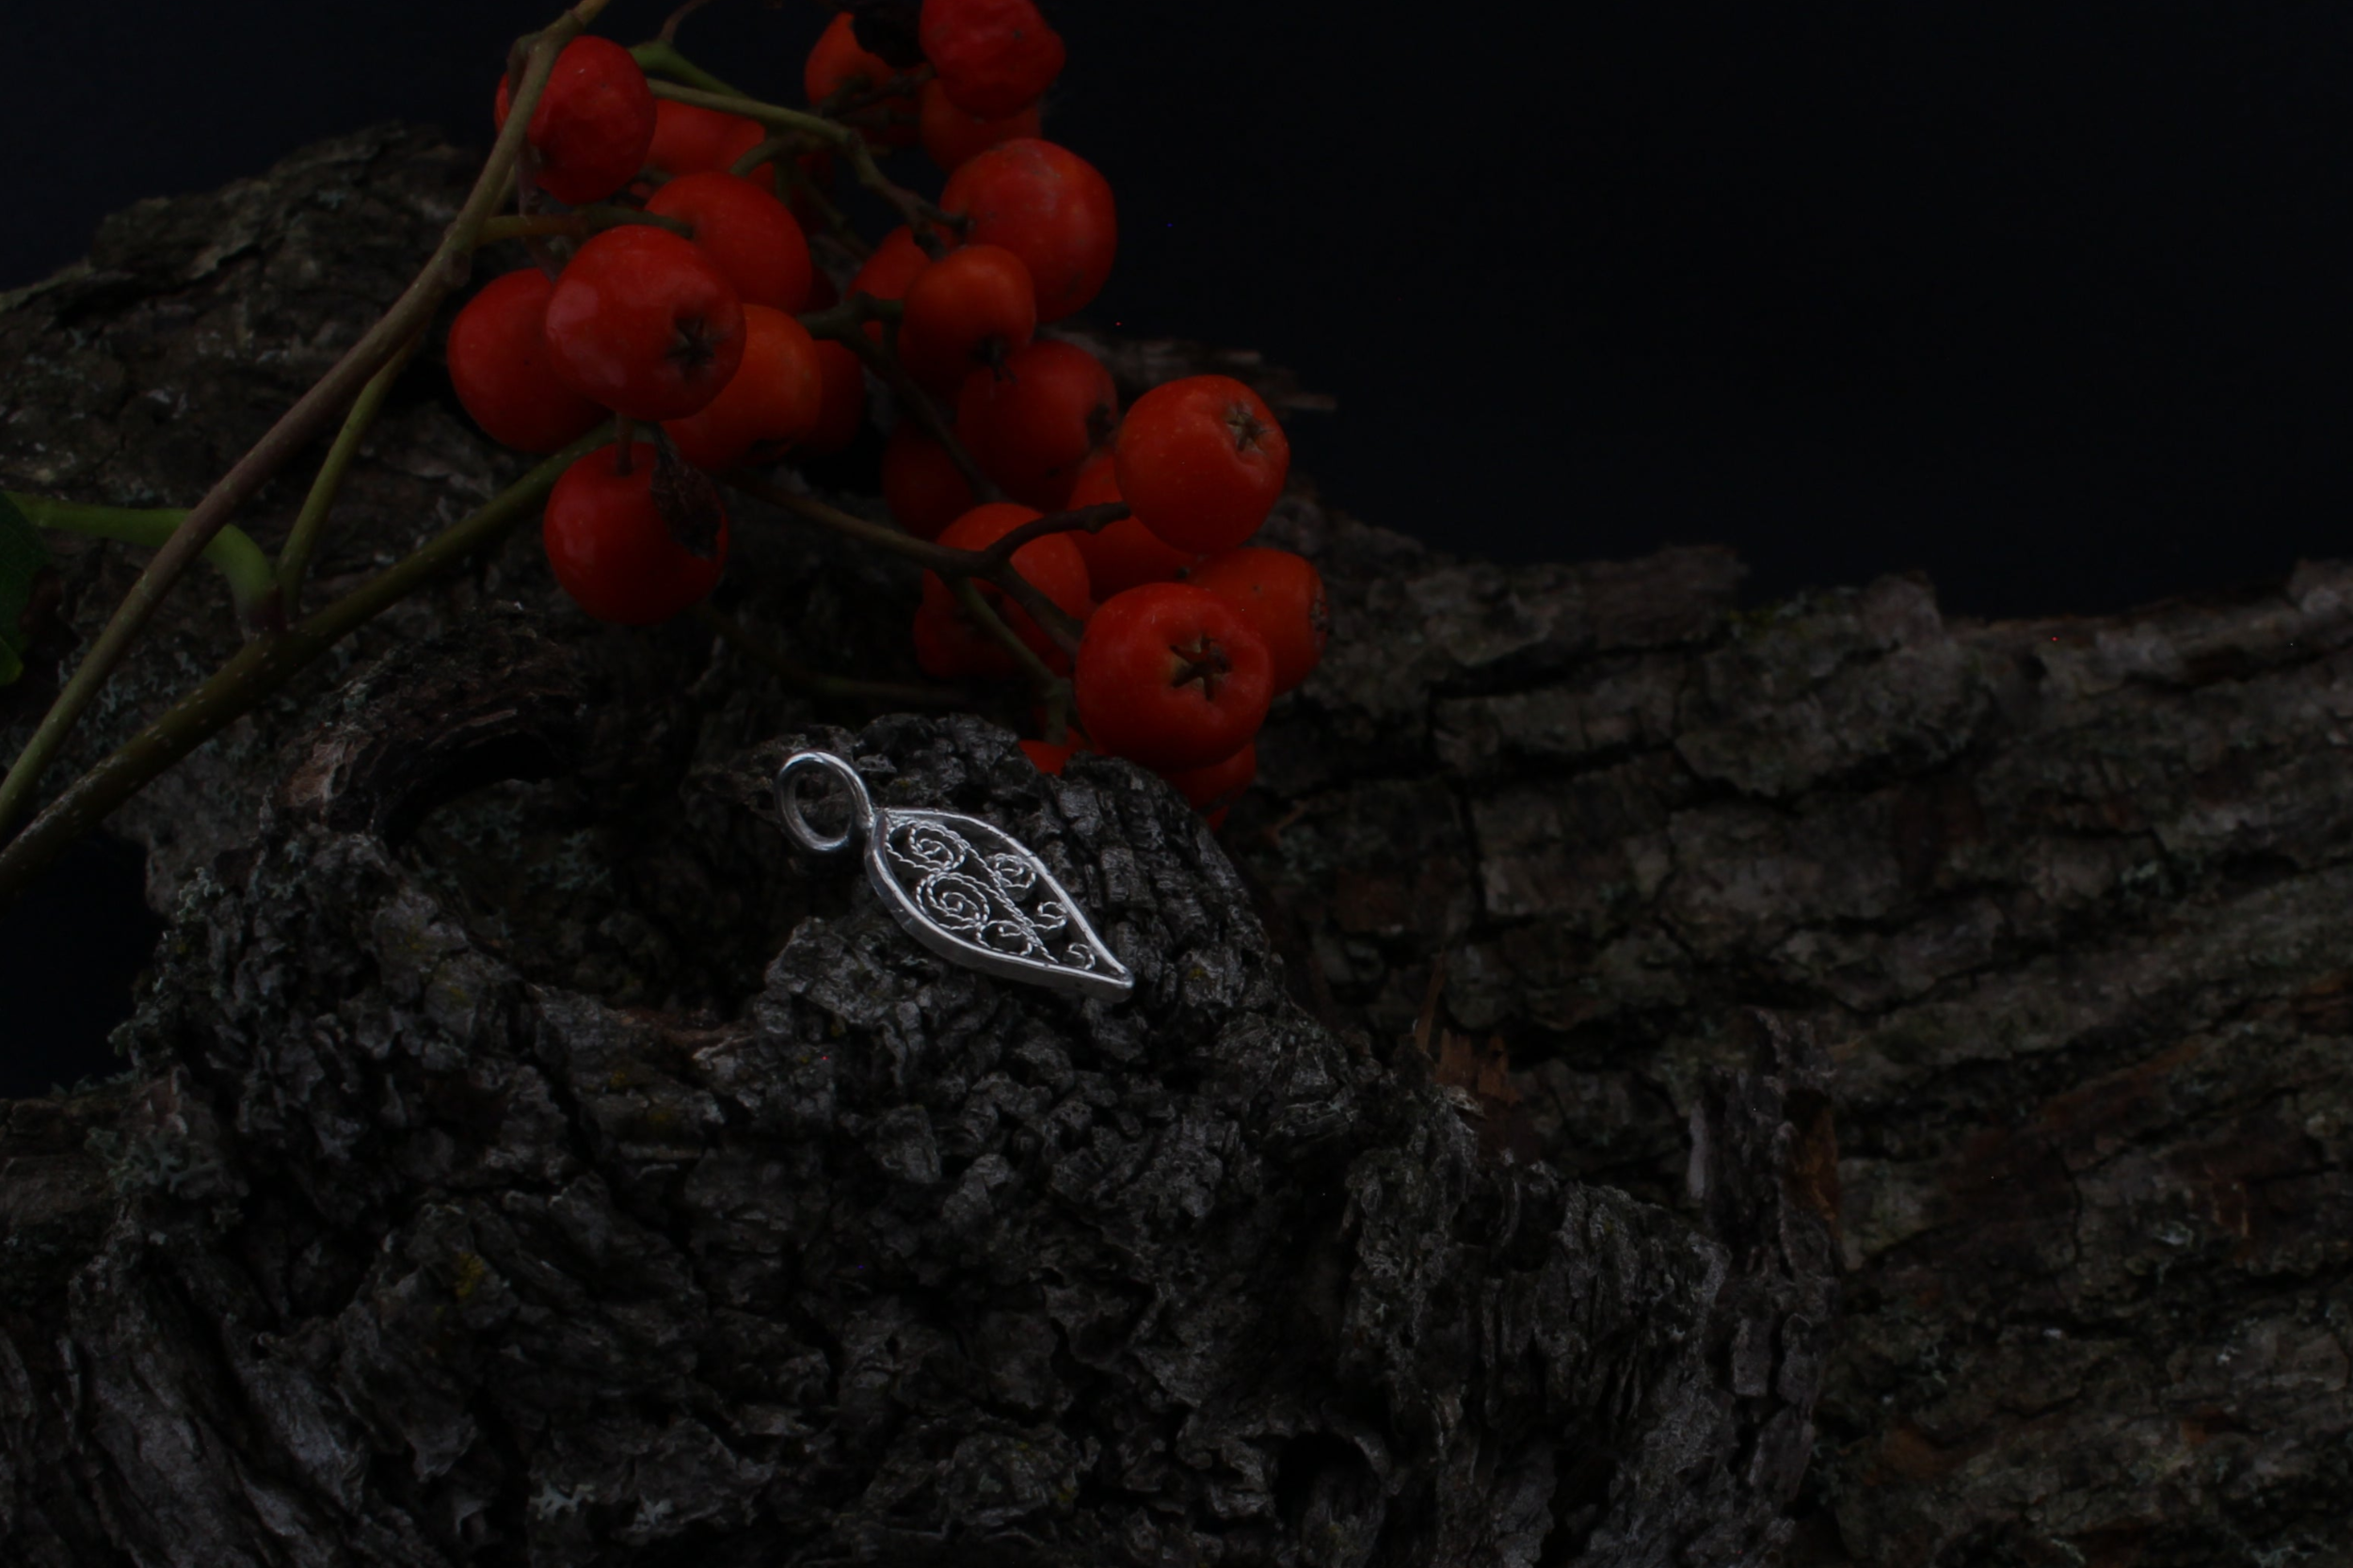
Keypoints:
pixel 1047 206
pixel 922 484
pixel 690 139
pixel 1051 563
pixel 1170 677
pixel 768 406
pixel 593 123
pixel 1032 424
pixel 1281 596
pixel 645 324
pixel 500 367
pixel 837 62
pixel 1201 461
pixel 886 273
pixel 967 310
pixel 994 57
pixel 842 407
pixel 612 550
pixel 952 136
pixel 1124 553
pixel 1213 787
pixel 748 234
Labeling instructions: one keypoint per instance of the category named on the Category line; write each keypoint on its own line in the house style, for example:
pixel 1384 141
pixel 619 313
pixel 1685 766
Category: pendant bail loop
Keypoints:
pixel 788 800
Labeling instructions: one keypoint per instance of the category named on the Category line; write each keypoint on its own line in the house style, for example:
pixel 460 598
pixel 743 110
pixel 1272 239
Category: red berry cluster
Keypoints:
pixel 680 307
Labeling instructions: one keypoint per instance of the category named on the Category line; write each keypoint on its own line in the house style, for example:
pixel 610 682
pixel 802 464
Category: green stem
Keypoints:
pixel 662 58
pixel 293 557
pixel 953 566
pixel 251 584
pixel 446 271
pixel 1093 519
pixel 835 222
pixel 985 616
pixel 913 400
pixel 257 671
pixel 813 681
pixel 935 557
pixel 920 215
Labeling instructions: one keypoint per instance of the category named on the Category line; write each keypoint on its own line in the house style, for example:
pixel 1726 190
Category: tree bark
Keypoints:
pixel 1621 938
pixel 526 1157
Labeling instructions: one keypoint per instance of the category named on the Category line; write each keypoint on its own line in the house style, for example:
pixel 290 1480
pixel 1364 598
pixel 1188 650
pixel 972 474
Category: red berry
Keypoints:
pixel 690 139
pixel 1047 206
pixel 642 322
pixel 1281 596
pixel 837 62
pixel 1053 565
pixel 498 362
pixel 967 310
pixel 886 273
pixel 952 137
pixel 1120 554
pixel 748 234
pixel 842 408
pixel 768 405
pixel 1212 787
pixel 611 549
pixel 1201 461
pixel 1032 424
pixel 1168 676
pixel 994 57
pixel 925 489
pixel 593 123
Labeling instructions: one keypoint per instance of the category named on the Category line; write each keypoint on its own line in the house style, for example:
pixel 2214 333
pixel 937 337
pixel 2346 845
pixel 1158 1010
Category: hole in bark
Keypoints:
pixel 1305 1458
pixel 524 757
pixel 71 951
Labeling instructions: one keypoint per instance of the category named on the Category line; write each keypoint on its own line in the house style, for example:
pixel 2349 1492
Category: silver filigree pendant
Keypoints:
pixel 965 888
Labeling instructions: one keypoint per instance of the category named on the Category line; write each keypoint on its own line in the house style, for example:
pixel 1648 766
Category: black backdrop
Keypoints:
pixel 2048 299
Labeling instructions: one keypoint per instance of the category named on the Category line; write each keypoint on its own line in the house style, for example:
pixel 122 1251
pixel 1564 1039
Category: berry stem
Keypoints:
pixel 662 57
pixel 845 324
pixel 669 27
pixel 799 183
pixel 294 556
pixel 954 565
pixel 240 562
pixel 258 670
pixel 445 272
pixel 1093 519
pixel 813 681
pixel 920 217
pixel 985 615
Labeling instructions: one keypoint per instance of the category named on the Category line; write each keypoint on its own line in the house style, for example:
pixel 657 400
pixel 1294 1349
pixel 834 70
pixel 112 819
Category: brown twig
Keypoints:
pixel 446 271
pixel 258 670
pixel 1092 519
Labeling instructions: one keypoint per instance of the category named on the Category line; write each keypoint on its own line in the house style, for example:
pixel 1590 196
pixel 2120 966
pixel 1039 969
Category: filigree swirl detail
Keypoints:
pixel 982 898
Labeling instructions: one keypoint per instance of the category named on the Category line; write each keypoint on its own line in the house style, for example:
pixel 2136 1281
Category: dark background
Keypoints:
pixel 2048 300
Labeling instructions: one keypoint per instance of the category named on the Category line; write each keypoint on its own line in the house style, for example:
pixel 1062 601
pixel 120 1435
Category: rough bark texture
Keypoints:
pixel 525 1157
pixel 2064 901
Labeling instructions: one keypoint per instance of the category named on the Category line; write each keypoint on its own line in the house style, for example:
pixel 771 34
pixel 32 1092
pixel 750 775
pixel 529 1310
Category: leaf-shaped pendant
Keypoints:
pixel 965 888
